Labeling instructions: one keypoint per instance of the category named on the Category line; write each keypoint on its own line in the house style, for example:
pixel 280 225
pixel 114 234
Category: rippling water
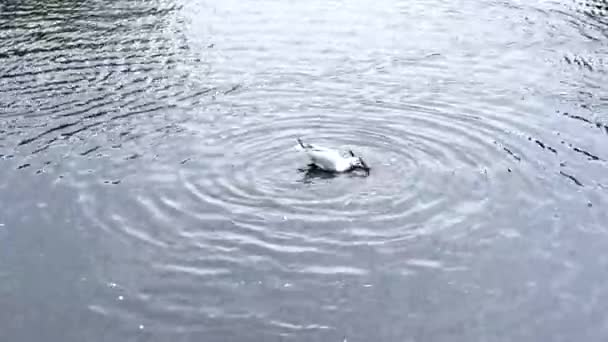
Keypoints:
pixel 150 186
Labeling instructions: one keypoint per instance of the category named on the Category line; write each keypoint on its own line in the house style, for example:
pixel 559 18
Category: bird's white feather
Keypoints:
pixel 328 159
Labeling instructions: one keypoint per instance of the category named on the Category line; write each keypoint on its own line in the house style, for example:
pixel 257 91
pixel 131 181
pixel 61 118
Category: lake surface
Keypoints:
pixel 150 187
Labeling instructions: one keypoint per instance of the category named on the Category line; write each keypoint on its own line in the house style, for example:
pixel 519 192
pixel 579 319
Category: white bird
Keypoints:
pixel 332 160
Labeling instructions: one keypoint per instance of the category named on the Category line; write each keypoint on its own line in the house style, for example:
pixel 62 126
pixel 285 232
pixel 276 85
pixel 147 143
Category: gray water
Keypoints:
pixel 150 187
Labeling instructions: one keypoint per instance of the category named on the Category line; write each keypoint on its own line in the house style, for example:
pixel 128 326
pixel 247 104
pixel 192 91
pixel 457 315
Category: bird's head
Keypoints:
pixel 358 162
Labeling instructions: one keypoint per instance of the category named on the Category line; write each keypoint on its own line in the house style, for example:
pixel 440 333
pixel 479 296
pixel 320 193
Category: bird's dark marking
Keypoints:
pixel 305 146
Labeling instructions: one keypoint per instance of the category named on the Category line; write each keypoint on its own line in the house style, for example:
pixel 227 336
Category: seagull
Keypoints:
pixel 331 160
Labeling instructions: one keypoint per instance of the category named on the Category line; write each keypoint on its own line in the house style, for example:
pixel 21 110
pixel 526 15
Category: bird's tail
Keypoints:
pixel 302 144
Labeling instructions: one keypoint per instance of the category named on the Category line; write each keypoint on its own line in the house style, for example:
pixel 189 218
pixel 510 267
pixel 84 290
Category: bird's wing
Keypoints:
pixel 324 158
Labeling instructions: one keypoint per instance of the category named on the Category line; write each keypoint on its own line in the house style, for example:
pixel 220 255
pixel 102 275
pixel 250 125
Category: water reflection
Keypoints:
pixel 312 173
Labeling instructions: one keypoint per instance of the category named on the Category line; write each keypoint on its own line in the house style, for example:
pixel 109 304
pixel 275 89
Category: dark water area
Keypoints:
pixel 150 186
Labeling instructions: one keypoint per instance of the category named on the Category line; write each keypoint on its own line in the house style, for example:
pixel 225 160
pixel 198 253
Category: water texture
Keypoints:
pixel 150 185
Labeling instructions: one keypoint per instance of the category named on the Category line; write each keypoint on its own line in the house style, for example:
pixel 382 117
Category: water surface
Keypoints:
pixel 150 186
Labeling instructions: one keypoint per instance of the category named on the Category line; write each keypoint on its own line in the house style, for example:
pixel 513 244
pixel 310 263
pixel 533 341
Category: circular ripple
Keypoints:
pixel 418 159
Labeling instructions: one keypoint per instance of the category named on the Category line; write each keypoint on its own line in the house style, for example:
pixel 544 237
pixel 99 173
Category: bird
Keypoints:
pixel 331 160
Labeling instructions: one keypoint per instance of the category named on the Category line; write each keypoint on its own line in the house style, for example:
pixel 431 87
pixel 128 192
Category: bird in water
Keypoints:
pixel 331 160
